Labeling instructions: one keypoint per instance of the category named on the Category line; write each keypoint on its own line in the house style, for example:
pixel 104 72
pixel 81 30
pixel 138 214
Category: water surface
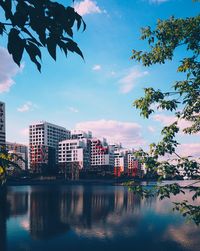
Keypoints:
pixel 92 218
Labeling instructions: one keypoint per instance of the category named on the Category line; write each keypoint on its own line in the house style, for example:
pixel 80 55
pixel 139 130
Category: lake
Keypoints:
pixel 92 218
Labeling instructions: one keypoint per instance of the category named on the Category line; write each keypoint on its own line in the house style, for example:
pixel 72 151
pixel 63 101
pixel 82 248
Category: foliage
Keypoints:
pixel 183 100
pixel 34 24
pixel 7 160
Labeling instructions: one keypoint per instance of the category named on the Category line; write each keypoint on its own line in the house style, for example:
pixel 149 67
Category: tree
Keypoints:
pixel 183 100
pixel 34 24
pixel 7 160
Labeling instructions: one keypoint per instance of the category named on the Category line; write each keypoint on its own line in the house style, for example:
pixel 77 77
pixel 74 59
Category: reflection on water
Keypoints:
pixel 2 221
pixel 88 218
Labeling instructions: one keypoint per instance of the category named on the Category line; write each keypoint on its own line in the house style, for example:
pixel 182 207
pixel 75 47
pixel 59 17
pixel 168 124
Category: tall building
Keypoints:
pixel 126 163
pixel 74 154
pixel 2 124
pixel 102 155
pixel 121 160
pixel 134 167
pixel 74 151
pixel 21 151
pixel 44 141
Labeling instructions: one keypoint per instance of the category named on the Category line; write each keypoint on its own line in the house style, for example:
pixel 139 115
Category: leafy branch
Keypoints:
pixel 31 25
pixel 183 100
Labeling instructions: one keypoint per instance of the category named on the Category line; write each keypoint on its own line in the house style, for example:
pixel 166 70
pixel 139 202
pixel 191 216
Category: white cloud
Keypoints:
pixel 28 106
pixel 87 7
pixel 127 133
pixel 189 149
pixel 8 69
pixel 167 120
pixel 151 129
pixel 96 67
pixel 158 1
pixel 73 109
pixel 164 119
pixel 130 79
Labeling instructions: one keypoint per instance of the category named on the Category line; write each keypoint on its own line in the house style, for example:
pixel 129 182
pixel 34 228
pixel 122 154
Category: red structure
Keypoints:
pixel 133 168
pixel 117 171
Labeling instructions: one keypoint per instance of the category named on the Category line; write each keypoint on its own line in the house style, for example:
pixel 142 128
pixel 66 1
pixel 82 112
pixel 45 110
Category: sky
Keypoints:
pixel 97 93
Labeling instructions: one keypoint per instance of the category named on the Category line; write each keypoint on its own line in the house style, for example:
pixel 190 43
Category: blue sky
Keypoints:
pixel 96 94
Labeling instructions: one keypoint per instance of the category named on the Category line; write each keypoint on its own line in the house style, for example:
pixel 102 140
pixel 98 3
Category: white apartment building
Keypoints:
pixel 2 124
pixel 44 134
pixel 74 151
pixel 121 159
pixel 101 153
pixel 20 150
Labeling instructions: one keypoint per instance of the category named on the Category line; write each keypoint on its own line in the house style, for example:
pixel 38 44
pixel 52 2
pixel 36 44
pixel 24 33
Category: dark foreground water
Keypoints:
pixel 92 218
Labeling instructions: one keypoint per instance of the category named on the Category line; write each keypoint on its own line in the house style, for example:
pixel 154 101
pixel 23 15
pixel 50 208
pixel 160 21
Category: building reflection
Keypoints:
pixel 3 206
pixel 18 203
pixel 45 219
pixel 55 212
pixel 93 213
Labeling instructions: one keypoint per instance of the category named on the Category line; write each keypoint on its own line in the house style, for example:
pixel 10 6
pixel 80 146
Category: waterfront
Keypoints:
pixel 91 217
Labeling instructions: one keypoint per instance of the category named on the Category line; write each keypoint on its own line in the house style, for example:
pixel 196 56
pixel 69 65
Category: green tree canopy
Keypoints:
pixel 182 99
pixel 32 24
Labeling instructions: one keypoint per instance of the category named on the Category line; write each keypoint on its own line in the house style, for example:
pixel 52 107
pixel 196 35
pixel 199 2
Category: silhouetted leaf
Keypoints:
pixel 15 45
pixel 34 49
pixel 32 38
pixel 41 24
pixel 51 46
pixel 33 52
pixel 63 46
pixel 73 47
pixel 7 6
pixel 2 28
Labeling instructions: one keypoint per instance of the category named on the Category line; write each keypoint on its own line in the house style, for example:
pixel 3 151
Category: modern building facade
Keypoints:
pixel 44 141
pixel 75 154
pixel 121 160
pixel 2 124
pixel 102 155
pixel 134 167
pixel 126 163
pixel 74 151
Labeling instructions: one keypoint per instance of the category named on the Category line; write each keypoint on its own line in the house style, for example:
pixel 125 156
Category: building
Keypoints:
pixel 21 151
pixel 2 125
pixel 78 134
pixel 134 167
pixel 102 155
pixel 74 155
pixel 126 163
pixel 44 141
pixel 121 160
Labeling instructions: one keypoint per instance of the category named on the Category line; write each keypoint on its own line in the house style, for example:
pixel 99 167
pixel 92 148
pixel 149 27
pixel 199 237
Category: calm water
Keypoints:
pixel 91 218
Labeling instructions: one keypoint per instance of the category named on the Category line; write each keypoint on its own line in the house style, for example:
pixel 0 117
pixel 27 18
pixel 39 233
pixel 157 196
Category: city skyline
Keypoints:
pixel 100 96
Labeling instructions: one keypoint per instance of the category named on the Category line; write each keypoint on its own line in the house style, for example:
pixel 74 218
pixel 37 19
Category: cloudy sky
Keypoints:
pixel 97 94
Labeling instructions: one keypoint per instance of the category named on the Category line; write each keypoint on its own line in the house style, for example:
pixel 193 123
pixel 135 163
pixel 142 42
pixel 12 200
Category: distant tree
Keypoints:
pixel 182 99
pixel 34 24
pixel 8 160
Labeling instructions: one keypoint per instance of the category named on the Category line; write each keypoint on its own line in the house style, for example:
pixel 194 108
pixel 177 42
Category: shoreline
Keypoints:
pixel 90 182
pixel 66 182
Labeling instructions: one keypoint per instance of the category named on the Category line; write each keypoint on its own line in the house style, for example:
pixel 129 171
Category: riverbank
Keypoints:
pixel 44 182
pixel 101 182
